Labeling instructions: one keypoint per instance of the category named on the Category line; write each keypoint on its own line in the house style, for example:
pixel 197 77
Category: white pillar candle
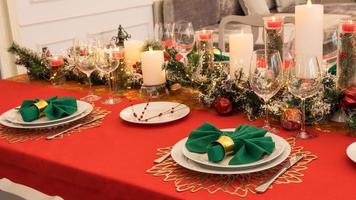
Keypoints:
pixel 152 72
pixel 133 50
pixel 309 30
pixel 241 48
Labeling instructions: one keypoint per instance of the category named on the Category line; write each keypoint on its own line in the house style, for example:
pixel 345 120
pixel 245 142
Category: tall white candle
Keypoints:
pixel 133 50
pixel 152 63
pixel 241 48
pixel 309 30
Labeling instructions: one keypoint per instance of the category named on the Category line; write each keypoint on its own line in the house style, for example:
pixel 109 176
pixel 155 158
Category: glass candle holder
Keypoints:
pixel 346 64
pixel 119 76
pixel 204 41
pixel 273 33
pixel 57 74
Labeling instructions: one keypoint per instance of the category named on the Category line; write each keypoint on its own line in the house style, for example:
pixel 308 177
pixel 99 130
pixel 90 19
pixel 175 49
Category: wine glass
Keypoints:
pixel 108 59
pixel 266 77
pixel 84 59
pixel 167 35
pixel 157 32
pixel 304 81
pixel 163 33
pixel 183 34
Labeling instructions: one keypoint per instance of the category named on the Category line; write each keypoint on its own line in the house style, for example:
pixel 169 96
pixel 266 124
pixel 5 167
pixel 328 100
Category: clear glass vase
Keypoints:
pixel 204 42
pixel 346 65
pixel 273 33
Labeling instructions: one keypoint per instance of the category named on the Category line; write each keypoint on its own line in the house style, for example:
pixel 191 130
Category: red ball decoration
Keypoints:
pixel 178 57
pixel 223 106
pixel 349 100
pixel 291 119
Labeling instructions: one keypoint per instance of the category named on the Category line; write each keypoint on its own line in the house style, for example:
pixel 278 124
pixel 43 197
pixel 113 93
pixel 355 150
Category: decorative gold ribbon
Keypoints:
pixel 41 105
pixel 227 143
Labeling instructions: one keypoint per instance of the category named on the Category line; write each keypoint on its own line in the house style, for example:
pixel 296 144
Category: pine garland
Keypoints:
pixel 35 65
pixel 38 68
pixel 216 83
pixel 351 122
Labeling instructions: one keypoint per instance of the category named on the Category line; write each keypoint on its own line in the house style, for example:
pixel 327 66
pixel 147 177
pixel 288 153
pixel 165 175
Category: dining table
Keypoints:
pixel 114 160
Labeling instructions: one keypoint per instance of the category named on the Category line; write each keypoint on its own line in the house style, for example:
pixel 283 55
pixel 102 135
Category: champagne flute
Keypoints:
pixel 108 59
pixel 183 33
pixel 304 81
pixel 84 59
pixel 266 77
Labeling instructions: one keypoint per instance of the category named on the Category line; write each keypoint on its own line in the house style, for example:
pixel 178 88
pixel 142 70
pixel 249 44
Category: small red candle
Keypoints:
pixel 205 35
pixel 56 61
pixel 349 27
pixel 167 43
pixel 118 54
pixel 274 23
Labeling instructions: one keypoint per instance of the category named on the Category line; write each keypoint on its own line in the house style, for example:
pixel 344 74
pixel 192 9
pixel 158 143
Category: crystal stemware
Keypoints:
pixel 167 35
pixel 108 59
pixel 183 34
pixel 304 81
pixel 157 32
pixel 84 59
pixel 266 77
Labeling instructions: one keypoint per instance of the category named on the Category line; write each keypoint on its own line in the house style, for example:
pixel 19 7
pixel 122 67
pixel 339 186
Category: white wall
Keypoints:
pixel 55 23
pixel 7 65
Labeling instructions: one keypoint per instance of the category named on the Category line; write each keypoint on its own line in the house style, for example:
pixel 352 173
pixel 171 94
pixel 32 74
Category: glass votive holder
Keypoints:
pixel 204 41
pixel 346 63
pixel 56 67
pixel 273 33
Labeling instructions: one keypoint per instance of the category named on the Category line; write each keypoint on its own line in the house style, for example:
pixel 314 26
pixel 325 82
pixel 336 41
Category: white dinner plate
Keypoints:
pixel 14 116
pixel 280 145
pixel 88 110
pixel 351 151
pixel 185 162
pixel 153 110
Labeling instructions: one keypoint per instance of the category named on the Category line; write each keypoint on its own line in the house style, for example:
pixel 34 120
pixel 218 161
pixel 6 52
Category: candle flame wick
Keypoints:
pixel 309 3
pixel 273 19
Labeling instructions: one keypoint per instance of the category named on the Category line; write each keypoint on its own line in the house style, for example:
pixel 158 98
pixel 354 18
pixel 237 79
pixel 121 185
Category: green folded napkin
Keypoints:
pixel 250 143
pixel 53 108
pixel 332 70
pixel 218 55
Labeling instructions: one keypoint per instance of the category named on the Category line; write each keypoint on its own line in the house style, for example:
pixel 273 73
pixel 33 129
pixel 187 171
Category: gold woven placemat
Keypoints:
pixel 237 185
pixel 13 135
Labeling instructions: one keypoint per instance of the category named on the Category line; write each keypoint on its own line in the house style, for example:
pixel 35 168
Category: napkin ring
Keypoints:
pixel 227 143
pixel 41 105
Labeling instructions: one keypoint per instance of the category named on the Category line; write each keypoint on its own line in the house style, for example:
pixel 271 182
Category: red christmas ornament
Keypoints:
pixel 349 100
pixel 137 67
pixel 178 56
pixel 166 56
pixel 291 119
pixel 342 54
pixel 223 106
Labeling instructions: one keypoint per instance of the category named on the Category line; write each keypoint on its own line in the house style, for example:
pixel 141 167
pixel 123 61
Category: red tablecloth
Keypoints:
pixel 110 162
